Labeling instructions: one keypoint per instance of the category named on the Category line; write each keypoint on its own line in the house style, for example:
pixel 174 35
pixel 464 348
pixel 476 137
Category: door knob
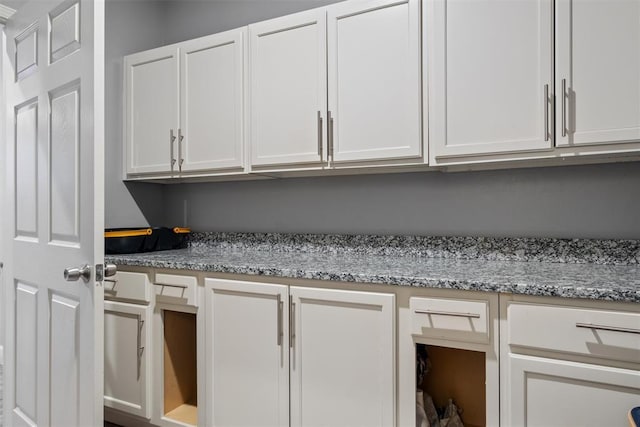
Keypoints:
pixel 110 270
pixel 73 274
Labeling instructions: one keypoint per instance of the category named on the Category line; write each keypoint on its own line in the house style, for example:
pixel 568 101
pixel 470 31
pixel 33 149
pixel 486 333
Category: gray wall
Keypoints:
pixel 596 201
pixel 131 26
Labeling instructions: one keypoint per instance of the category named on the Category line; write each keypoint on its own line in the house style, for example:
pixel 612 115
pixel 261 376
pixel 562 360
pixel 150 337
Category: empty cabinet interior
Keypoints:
pixel 180 373
pixel 459 375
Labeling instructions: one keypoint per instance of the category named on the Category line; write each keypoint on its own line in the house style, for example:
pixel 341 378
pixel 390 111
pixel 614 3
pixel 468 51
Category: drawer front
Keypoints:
pixel 598 333
pixel 128 286
pixel 174 289
pixel 450 318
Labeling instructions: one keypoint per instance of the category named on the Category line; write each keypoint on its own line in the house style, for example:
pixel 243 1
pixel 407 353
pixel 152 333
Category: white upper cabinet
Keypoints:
pixel 151 110
pixel 212 102
pixel 598 69
pixel 490 76
pixel 374 80
pixel 288 89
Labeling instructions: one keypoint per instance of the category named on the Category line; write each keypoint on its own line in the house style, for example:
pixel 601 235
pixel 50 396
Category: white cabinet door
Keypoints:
pixel 247 349
pixel 212 102
pixel 374 80
pixel 597 71
pixel 126 358
pixel 151 110
pixel 342 358
pixel 490 76
pixel 545 392
pixel 288 89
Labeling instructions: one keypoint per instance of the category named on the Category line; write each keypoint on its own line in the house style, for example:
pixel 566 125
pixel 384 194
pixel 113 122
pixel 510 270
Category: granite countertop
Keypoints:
pixel 607 277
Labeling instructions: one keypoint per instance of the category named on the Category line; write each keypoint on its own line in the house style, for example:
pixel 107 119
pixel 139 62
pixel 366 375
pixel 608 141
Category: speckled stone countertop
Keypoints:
pixel 593 269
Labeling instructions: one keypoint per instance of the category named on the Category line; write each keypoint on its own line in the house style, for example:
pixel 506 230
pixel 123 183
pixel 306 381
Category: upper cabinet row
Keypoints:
pixel 346 85
pixel 311 90
pixel 502 79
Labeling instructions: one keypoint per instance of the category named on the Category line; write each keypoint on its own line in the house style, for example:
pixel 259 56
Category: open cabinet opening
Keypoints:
pixel 180 372
pixel 459 375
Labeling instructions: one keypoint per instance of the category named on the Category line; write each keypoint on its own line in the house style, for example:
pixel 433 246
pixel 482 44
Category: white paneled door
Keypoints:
pixel 212 102
pixel 152 111
pixel 374 80
pixel 597 71
pixel 289 89
pixel 490 76
pixel 54 67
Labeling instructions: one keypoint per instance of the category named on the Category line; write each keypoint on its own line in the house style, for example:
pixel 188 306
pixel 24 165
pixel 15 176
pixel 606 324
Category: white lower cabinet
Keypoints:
pixel 126 358
pixel 247 354
pixel 177 351
pixel 546 392
pixel 571 363
pixel 342 358
pixel 281 355
pixel 458 332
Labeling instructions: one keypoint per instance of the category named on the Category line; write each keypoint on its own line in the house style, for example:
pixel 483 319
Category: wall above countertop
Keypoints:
pixel 595 201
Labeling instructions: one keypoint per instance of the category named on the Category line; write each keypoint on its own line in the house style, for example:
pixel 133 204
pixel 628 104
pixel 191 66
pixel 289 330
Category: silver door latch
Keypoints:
pixel 103 271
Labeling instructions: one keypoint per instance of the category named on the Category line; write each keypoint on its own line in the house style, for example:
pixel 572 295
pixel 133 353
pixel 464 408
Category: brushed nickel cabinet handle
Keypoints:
pixel 448 313
pixel 292 321
pixel 330 135
pixel 564 107
pixel 140 346
pixel 280 306
pixel 181 160
pixel 546 112
pixel 172 140
pixel 320 134
pixel 608 328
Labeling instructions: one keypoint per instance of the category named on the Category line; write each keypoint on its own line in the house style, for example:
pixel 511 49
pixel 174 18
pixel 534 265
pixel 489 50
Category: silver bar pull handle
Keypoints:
pixel 280 306
pixel 320 134
pixel 448 313
pixel 330 134
pixel 608 328
pixel 292 321
pixel 546 112
pixel 172 140
pixel 180 159
pixel 564 107
pixel 140 346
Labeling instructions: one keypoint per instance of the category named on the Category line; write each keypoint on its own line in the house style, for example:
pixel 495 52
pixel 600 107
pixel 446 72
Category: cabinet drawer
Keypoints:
pixel 128 286
pixel 451 319
pixel 175 289
pixel 598 333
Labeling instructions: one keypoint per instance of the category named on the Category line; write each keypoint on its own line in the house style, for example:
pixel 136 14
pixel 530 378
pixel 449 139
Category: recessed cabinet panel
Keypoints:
pixel 212 102
pixel 597 71
pixel 288 89
pixel 248 353
pixel 374 80
pixel 151 110
pixel 342 358
pixel 490 76
pixel 126 358
pixel 547 392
